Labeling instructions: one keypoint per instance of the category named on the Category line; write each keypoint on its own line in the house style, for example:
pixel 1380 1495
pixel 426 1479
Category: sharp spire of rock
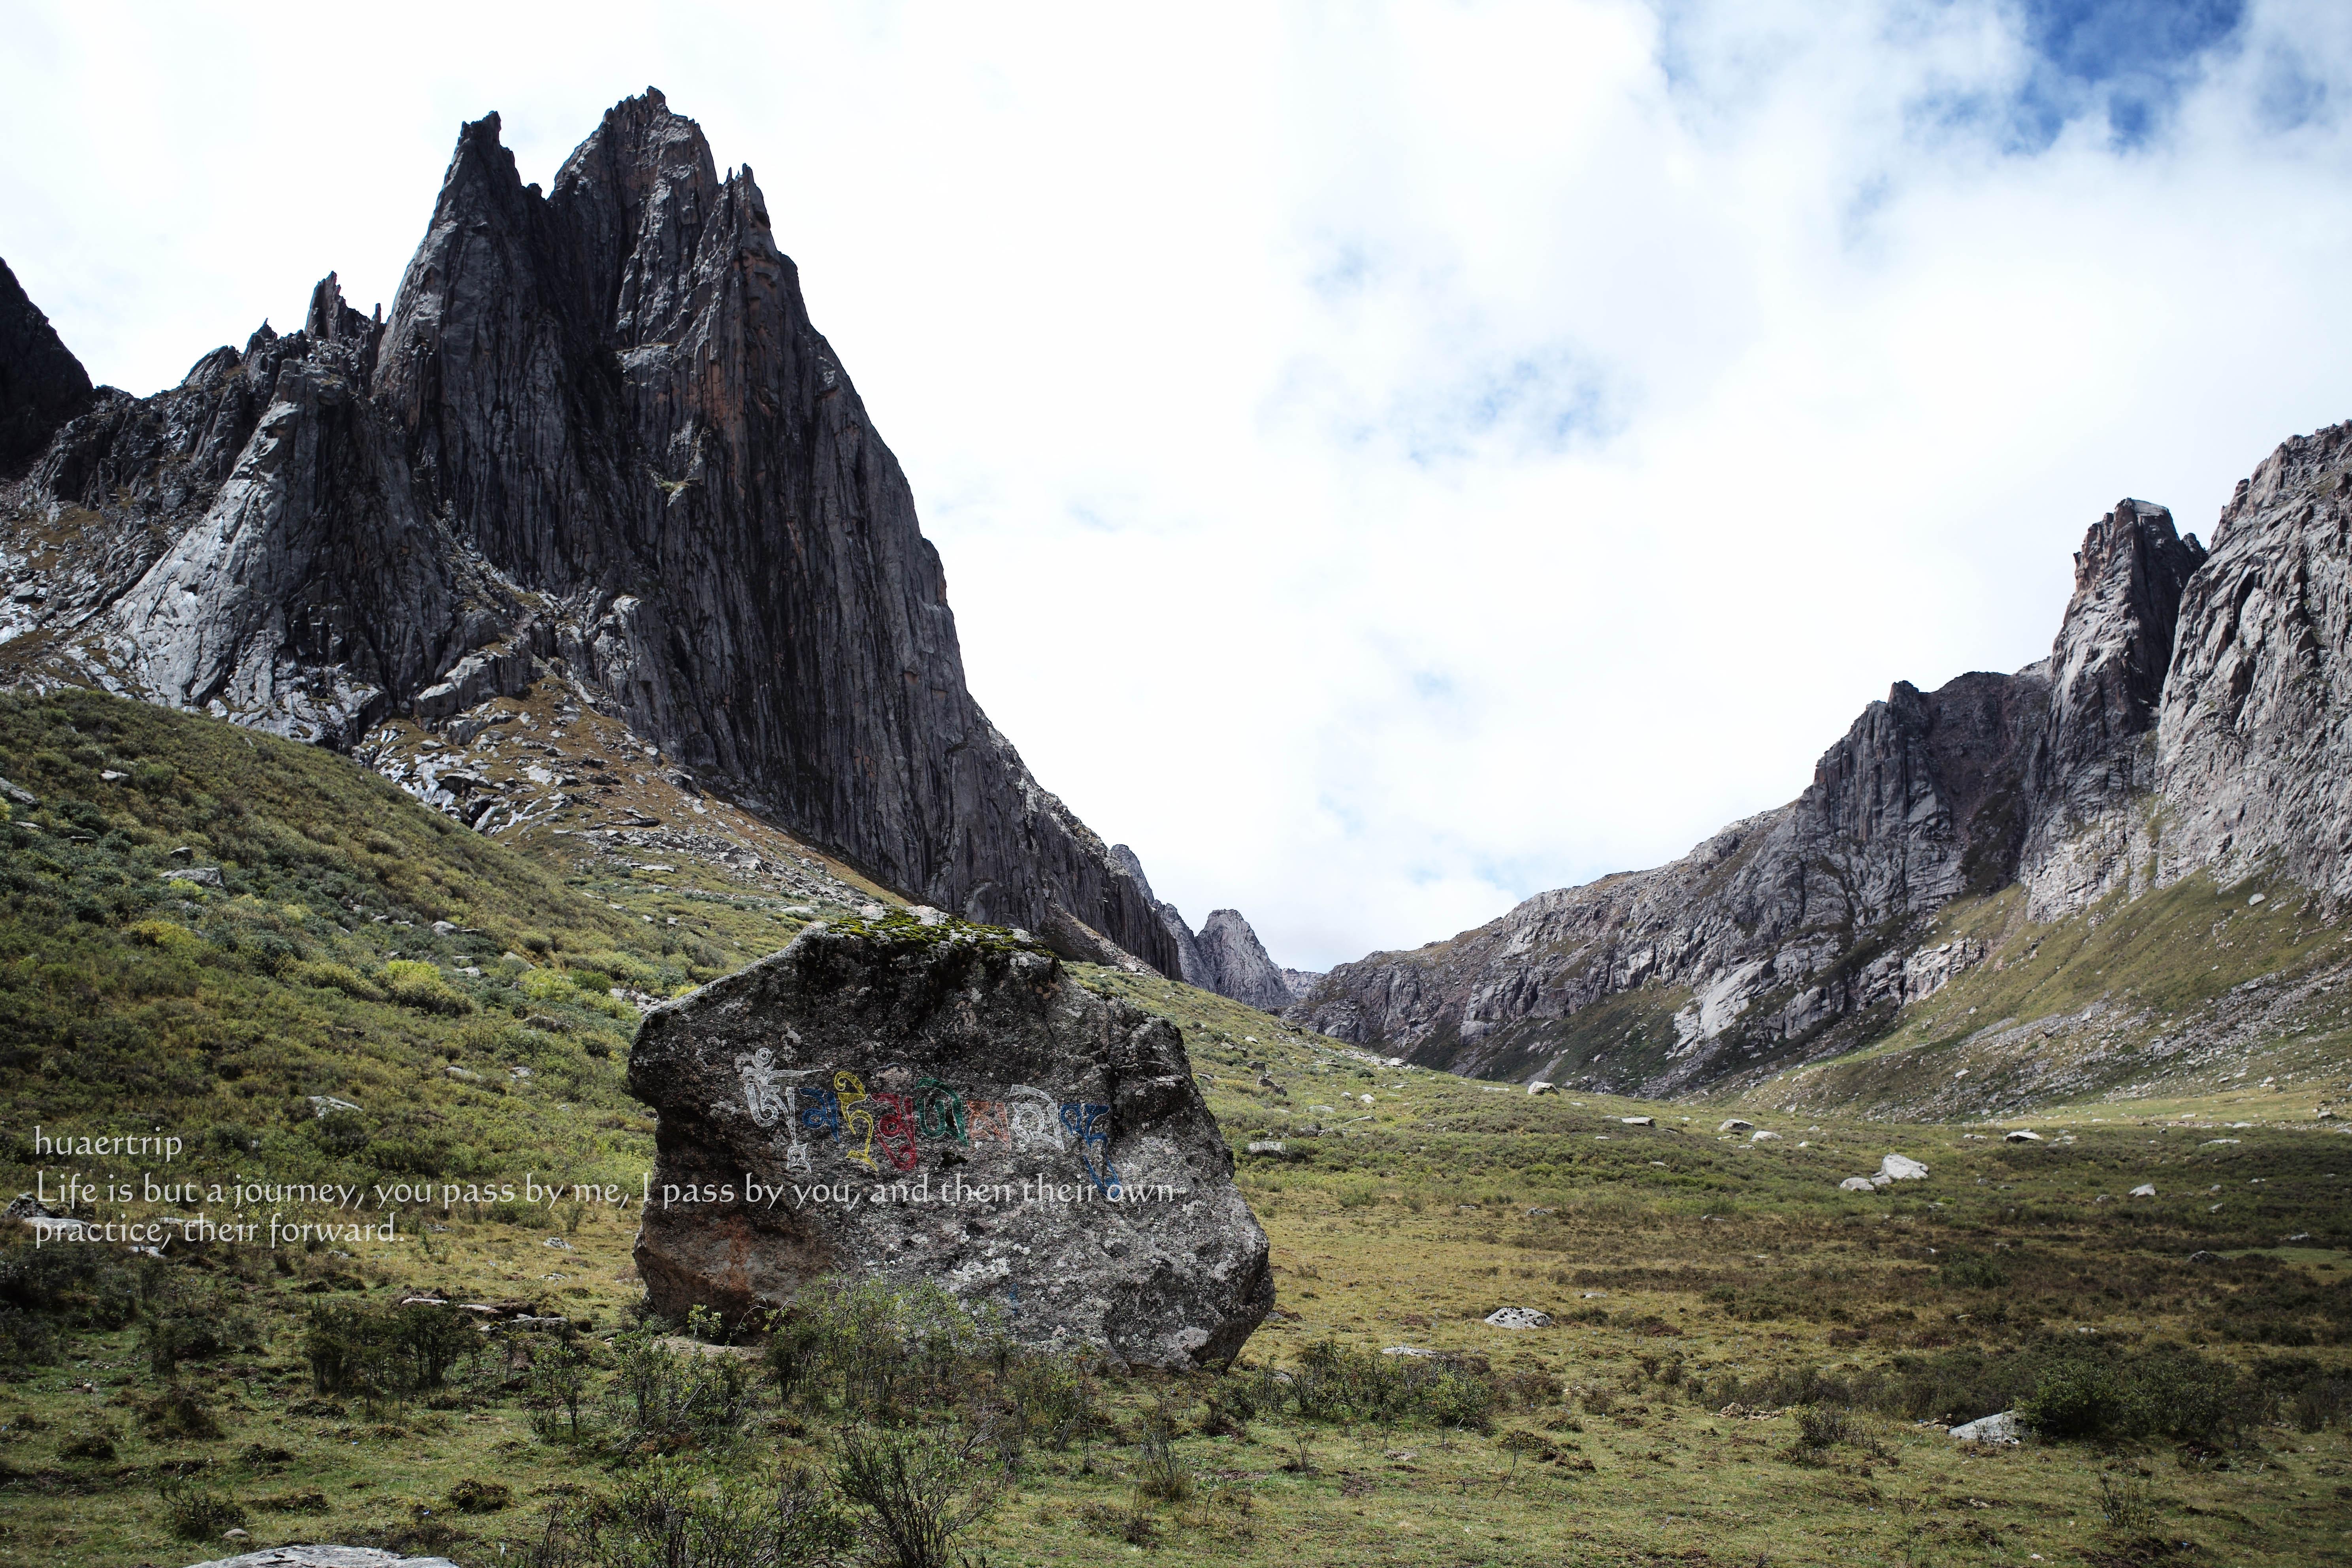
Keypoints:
pixel 597 437
pixel 42 385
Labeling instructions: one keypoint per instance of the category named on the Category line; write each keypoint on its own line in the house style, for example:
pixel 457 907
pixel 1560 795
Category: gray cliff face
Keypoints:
pixel 1796 931
pixel 597 437
pixel 1238 964
pixel 2254 741
pixel 42 385
pixel 1191 967
pixel 2099 750
pixel 935 1105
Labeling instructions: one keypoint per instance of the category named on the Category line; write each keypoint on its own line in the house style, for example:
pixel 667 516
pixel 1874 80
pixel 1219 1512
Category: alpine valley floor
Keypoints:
pixel 1745 1363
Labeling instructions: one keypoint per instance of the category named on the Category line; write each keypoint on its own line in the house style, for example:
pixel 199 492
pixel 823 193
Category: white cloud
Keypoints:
pixel 1388 460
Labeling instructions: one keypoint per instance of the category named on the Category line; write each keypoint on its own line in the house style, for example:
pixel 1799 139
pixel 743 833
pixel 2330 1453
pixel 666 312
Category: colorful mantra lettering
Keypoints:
pixel 836 1109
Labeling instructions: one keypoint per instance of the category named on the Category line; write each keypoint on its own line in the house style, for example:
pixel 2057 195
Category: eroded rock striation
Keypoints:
pixel 1237 962
pixel 597 440
pixel 1798 931
pixel 2255 743
pixel 942 1103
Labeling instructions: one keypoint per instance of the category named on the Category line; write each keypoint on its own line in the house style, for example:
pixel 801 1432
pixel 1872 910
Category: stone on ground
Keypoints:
pixel 944 1105
pixel 1519 1318
pixel 2001 1428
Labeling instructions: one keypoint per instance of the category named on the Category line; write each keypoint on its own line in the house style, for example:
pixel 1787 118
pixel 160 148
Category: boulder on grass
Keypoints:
pixel 942 1105
pixel 2001 1428
pixel 1519 1318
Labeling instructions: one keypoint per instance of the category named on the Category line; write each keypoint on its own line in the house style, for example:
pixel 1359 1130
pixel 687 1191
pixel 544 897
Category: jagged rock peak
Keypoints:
pixel 2255 743
pixel 2107 668
pixel 2116 643
pixel 42 384
pixel 1239 963
pixel 597 437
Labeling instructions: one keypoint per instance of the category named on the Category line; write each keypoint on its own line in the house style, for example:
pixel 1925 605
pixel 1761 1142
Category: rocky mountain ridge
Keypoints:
pixel 2191 719
pixel 596 453
pixel 1224 955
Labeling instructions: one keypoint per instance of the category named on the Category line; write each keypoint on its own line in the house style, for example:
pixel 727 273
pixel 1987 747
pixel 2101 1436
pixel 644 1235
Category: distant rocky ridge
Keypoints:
pixel 597 443
pixel 2195 714
pixel 1225 955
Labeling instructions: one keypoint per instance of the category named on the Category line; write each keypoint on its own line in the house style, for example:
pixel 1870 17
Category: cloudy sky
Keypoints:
pixel 1390 459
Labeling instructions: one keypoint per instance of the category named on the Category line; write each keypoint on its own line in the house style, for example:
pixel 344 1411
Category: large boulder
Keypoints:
pixel 944 1103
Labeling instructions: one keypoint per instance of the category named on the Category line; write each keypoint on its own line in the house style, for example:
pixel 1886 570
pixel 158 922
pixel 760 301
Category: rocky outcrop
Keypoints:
pixel 1237 965
pixel 1797 931
pixel 1191 967
pixel 2098 748
pixel 1225 955
pixel 42 385
pixel 2254 741
pixel 597 438
pixel 941 1104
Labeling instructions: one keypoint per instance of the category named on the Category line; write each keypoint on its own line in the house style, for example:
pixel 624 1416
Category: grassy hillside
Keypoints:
pixel 221 933
pixel 2193 997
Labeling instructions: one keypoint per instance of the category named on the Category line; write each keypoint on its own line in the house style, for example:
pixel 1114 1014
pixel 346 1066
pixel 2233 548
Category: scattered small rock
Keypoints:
pixel 1539 1086
pixel 2001 1428
pixel 1519 1318
pixel 1638 1120
pixel 1735 1124
pixel 2021 1136
pixel 2145 1190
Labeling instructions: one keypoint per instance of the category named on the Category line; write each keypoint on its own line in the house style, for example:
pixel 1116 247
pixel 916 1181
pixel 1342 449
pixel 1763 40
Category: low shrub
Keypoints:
pixel 412 983
pixel 1334 1383
pixel 2127 1502
pixel 384 1352
pixel 327 975
pixel 669 1512
pixel 198 1512
pixel 179 1411
pixel 557 1396
pixel 87 1446
pixel 664 1400
pixel 472 1496
pixel 1051 1399
pixel 1819 1426
pixel 915 1491
pixel 882 1350
pixel 1158 1472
